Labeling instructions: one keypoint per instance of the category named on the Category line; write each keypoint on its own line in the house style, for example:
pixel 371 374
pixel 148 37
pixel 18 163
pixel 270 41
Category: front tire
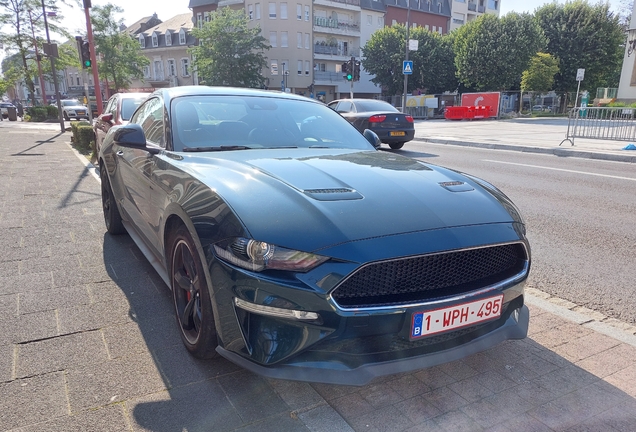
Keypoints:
pixel 112 218
pixel 396 146
pixel 191 298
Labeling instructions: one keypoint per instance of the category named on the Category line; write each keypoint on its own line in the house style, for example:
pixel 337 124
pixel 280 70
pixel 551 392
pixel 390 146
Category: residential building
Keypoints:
pixel 465 11
pixel 165 44
pixel 433 15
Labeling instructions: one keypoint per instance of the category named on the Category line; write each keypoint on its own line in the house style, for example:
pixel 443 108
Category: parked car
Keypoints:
pixel 393 127
pixel 73 108
pixel 538 108
pixel 296 250
pixel 118 110
pixel 4 109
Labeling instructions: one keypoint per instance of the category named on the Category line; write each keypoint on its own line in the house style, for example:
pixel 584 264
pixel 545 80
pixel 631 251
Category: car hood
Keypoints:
pixel 314 198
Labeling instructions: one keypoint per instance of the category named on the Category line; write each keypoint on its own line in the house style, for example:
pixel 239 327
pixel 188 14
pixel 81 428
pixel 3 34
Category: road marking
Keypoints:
pixel 561 169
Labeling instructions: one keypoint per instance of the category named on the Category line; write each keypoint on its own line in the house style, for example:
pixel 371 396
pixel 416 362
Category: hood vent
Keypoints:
pixel 334 194
pixel 456 186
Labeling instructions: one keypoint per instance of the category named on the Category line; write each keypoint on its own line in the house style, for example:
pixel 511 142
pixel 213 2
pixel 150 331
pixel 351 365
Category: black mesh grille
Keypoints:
pixel 429 277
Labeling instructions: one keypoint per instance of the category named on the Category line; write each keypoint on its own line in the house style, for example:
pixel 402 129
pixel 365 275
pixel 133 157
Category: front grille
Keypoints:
pixel 429 277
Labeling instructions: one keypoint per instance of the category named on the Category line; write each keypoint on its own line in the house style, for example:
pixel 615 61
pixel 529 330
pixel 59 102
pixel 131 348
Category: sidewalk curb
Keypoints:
pixel 556 151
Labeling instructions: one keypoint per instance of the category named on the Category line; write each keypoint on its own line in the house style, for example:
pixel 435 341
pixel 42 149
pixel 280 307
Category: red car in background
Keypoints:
pixel 118 111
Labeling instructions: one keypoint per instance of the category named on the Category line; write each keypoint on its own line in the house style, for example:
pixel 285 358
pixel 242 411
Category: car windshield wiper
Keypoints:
pixel 219 148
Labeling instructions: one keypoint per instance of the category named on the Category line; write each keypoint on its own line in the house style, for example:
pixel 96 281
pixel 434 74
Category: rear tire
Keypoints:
pixel 191 298
pixel 396 146
pixel 112 218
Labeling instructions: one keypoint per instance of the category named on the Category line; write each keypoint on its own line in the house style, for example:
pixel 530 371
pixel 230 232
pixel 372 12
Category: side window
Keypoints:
pixel 150 118
pixel 344 107
pixel 110 107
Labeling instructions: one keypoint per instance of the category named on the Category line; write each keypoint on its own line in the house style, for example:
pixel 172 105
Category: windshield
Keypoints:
pixel 71 102
pixel 128 107
pixel 372 105
pixel 249 122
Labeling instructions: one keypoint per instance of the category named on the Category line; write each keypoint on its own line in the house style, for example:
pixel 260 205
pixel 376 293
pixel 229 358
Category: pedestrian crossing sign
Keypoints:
pixel 407 67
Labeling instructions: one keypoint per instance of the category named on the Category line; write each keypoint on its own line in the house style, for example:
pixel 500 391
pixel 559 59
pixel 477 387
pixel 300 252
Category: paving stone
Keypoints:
pixel 111 418
pixel 28 327
pixel 434 377
pixel 567 332
pixel 60 353
pixel 351 405
pixel 26 283
pixel 51 299
pixel 278 423
pixel 624 380
pixel 97 385
pixel 199 407
pixel 380 395
pixel 418 410
pixel 299 396
pixel 6 362
pixel 458 370
pixel 330 392
pixel 93 316
pixel 243 388
pixel 445 399
pixel 408 386
pixel 585 346
pixel 32 400
pixel 387 419
pixel 9 304
pixel 609 361
pixel 521 422
pixel 323 418
pixel 457 421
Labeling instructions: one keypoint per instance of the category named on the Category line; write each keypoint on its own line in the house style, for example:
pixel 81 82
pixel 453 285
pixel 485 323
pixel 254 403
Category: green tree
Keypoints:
pixel 583 36
pixel 120 54
pixel 19 20
pixel 540 74
pixel 491 53
pixel 383 55
pixel 433 62
pixel 229 53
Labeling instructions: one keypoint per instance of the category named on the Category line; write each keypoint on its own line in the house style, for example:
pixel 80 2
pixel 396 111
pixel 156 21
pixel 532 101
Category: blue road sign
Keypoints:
pixel 407 67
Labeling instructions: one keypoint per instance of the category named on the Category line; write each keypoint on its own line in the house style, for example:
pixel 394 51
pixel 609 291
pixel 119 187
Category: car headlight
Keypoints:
pixel 258 256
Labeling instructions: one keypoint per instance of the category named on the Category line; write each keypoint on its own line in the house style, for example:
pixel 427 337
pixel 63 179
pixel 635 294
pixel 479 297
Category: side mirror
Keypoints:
pixel 107 117
pixel 132 136
pixel 372 137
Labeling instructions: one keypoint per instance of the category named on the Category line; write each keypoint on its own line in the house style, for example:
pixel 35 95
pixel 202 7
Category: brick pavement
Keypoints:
pixel 88 341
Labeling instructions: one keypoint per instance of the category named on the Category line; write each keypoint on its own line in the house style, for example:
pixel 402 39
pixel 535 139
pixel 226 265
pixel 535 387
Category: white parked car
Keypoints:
pixel 73 108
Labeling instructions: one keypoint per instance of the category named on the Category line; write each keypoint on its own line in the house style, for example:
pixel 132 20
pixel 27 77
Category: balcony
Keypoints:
pixel 345 27
pixel 328 50
pixel 323 77
pixel 343 4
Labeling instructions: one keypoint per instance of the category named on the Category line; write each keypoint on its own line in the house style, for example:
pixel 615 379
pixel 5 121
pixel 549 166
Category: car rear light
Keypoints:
pixel 409 118
pixel 377 118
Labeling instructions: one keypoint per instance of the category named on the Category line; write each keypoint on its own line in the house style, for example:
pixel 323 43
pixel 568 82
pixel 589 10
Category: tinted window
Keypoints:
pixel 71 102
pixel 128 107
pixel 374 105
pixel 344 106
pixel 259 122
pixel 150 118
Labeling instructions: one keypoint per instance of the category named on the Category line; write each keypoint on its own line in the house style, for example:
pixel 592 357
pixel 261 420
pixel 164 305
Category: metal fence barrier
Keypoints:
pixel 615 124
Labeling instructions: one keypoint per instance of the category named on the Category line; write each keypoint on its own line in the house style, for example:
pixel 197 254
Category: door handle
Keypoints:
pixel 120 153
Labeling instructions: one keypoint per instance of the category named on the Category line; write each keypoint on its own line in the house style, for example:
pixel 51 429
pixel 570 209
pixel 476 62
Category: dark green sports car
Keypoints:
pixel 296 249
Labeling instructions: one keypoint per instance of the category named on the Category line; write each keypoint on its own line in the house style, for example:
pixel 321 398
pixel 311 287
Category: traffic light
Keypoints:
pixel 85 54
pixel 348 71
pixel 356 70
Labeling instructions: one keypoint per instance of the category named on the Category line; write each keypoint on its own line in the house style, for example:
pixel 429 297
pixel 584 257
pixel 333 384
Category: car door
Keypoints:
pixel 135 167
pixel 102 126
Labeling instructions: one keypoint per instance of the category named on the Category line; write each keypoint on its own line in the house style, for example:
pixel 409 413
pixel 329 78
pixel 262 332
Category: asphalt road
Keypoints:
pixel 580 215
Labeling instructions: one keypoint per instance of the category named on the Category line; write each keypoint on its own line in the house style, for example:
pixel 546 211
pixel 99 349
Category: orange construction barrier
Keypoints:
pixel 455 112
pixel 466 112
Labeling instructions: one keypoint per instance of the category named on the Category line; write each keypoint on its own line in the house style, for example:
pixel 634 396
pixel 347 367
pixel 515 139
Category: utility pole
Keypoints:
pixel 352 64
pixel 91 41
pixel 406 52
pixel 54 72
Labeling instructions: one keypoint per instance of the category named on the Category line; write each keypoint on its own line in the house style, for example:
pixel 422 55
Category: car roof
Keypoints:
pixel 174 92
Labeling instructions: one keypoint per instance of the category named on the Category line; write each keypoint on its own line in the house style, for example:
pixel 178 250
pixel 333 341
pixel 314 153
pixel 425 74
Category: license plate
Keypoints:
pixel 427 323
pixel 400 133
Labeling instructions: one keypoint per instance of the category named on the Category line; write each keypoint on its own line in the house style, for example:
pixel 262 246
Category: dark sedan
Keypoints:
pixel 118 110
pixel 393 127
pixel 295 249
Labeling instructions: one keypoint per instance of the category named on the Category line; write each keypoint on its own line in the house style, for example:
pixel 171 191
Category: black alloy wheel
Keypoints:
pixel 112 217
pixel 191 298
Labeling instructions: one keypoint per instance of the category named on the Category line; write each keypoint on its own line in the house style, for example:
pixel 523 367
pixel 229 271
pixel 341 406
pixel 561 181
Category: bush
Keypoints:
pixel 41 113
pixel 37 113
pixel 83 135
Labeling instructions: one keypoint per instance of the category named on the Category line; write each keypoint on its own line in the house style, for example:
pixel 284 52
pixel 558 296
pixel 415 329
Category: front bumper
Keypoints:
pixel 515 326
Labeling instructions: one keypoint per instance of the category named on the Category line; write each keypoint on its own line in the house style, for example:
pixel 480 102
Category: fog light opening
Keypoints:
pixel 515 315
pixel 277 312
